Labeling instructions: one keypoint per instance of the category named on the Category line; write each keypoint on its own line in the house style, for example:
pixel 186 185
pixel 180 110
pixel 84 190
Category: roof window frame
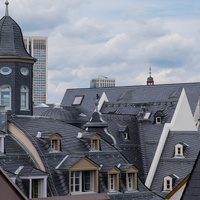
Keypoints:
pixel 78 100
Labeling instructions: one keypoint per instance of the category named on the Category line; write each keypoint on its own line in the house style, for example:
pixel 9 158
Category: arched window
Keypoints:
pixel 5 96
pixel 24 97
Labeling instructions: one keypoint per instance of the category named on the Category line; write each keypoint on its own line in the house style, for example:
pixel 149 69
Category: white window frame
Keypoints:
pixel 112 182
pixel 179 150
pixel 158 120
pixel 6 90
pixel 78 100
pixel 43 185
pixel 125 135
pixel 168 183
pixel 24 101
pixel 81 178
pixel 147 115
pixel 130 181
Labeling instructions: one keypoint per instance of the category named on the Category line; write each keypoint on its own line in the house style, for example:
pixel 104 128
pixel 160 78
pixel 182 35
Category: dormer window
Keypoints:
pixel 55 145
pixel 158 117
pixel 179 149
pixel 54 138
pixel 83 174
pixel 131 178
pixel 158 120
pixel 113 179
pixel 95 142
pixel 169 181
pixel 126 136
pixel 78 100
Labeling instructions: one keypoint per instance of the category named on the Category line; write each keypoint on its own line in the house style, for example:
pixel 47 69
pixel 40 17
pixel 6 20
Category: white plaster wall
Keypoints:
pixel 178 194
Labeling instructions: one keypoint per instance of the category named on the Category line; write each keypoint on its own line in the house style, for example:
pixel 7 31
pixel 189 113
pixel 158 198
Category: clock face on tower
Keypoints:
pixel 5 70
pixel 24 71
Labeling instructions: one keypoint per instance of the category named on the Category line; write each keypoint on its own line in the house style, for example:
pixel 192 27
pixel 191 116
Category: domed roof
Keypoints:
pixel 11 40
pixel 58 113
pixel 150 79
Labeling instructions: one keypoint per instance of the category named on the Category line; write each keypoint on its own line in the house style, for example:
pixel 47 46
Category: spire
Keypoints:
pixel 7 3
pixel 150 80
pixel 149 70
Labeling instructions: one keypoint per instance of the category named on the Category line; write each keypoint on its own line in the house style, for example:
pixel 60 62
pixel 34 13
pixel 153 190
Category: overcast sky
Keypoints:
pixel 113 38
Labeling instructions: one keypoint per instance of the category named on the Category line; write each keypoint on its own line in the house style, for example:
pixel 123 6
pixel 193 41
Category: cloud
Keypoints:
pixel 114 38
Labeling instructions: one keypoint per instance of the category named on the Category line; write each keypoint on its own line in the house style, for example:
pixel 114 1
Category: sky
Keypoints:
pixel 113 38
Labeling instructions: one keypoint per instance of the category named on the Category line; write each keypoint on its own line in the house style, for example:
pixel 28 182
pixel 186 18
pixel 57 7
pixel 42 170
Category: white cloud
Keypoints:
pixel 114 38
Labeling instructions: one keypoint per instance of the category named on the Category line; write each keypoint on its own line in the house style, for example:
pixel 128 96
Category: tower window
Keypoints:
pixel 5 96
pixel 24 97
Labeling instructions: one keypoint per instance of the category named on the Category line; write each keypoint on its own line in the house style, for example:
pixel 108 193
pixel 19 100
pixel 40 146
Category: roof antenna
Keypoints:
pixel 7 3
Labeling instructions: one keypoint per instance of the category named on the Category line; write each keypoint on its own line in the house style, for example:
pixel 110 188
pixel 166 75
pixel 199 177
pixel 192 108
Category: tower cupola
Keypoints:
pixel 150 80
pixel 15 68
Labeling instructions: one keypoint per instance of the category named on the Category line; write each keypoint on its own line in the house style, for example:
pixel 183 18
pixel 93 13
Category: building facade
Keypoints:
pixel 102 82
pixel 38 48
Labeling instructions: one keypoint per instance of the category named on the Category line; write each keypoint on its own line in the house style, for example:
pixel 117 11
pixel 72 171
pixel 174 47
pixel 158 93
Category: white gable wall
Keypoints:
pixel 182 120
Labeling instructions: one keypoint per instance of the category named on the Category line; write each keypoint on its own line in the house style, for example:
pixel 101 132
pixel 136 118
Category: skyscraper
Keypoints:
pixel 38 48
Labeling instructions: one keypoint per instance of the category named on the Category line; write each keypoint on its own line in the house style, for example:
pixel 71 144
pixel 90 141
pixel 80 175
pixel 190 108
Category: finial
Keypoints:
pixel 150 70
pixel 7 3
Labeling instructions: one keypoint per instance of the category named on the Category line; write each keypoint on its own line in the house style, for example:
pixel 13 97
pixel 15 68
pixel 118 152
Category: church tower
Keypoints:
pixel 16 69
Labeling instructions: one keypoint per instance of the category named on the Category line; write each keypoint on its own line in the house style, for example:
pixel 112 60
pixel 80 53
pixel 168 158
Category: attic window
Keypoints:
pixel 126 136
pixel 168 183
pixel 95 142
pixel 55 145
pixel 158 120
pixel 147 115
pixel 78 100
pixel 179 150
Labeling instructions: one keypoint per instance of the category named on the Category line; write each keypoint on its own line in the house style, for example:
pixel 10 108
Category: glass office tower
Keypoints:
pixel 38 48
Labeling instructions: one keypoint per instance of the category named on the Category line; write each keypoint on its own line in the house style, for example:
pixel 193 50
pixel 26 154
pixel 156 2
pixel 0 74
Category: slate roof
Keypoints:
pixel 73 149
pixel 180 167
pixel 11 40
pixel 192 189
pixel 135 94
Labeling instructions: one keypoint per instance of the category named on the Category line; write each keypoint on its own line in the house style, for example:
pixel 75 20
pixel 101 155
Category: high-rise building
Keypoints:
pixel 38 48
pixel 102 82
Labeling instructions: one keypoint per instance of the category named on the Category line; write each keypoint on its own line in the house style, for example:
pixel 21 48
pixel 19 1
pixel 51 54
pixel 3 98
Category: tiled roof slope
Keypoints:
pixel 11 40
pixel 192 190
pixel 135 94
pixel 144 133
pixel 169 164
pixel 72 148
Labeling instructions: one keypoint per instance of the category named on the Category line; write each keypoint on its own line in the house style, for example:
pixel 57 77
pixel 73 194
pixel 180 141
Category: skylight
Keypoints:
pixel 147 115
pixel 77 100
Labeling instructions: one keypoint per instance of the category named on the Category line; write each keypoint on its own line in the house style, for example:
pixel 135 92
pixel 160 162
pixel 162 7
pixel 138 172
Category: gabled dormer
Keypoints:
pixel 94 138
pixel 131 176
pixel 54 138
pixel 113 179
pixel 169 182
pixel 158 117
pixel 124 131
pixel 180 150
